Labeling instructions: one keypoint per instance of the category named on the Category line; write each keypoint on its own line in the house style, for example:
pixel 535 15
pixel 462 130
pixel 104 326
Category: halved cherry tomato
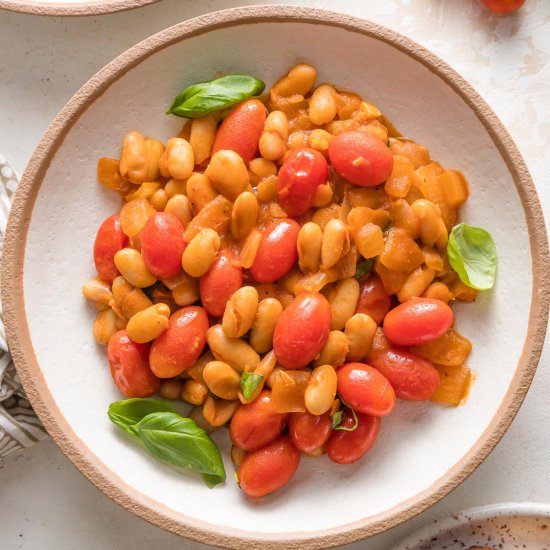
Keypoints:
pixel 361 158
pixel 503 6
pixel 412 377
pixel 301 173
pixel 309 432
pixel 277 252
pixel 346 447
pixel 109 240
pixel 365 389
pixel 180 345
pixel 219 283
pixel 269 468
pixel 241 130
pixel 255 424
pixel 417 321
pixel 302 330
pixel 373 298
pixel 162 244
pixel 129 363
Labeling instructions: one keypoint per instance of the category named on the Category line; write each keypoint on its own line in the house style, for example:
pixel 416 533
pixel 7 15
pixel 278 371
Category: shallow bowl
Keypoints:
pixel 59 8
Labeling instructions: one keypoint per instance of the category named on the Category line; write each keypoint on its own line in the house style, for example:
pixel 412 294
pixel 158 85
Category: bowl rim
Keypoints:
pixel 83 458
pixel 71 9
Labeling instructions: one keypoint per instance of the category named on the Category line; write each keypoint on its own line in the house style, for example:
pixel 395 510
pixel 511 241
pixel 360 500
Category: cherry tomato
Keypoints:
pixel 162 244
pixel 277 252
pixel 503 6
pixel 181 344
pixel 301 173
pixel 365 389
pixel 373 299
pixel 255 424
pixel 346 447
pixel 308 431
pixel 269 468
pixel 361 158
pixel 241 130
pixel 109 240
pixel 417 321
pixel 412 377
pixel 302 330
pixel 129 363
pixel 219 283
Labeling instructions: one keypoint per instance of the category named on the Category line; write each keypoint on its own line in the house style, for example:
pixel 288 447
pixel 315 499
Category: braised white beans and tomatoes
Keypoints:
pixel 287 265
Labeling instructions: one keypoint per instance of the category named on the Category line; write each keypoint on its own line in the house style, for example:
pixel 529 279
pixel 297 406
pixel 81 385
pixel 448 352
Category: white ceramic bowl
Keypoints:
pixel 424 450
pixel 71 7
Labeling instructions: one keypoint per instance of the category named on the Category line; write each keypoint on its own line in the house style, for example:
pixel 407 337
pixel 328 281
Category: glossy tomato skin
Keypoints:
pixel 269 468
pixel 347 447
pixel 309 432
pixel 373 299
pixel 412 377
pixel 109 240
pixel 241 130
pixel 302 330
pixel 361 158
pixel 365 389
pixel 219 283
pixel 181 344
pixel 256 424
pixel 129 363
pixel 162 244
pixel 277 252
pixel 417 321
pixel 302 172
pixel 503 6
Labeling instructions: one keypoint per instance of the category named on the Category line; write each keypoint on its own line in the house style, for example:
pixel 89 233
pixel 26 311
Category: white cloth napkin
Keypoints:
pixel 19 426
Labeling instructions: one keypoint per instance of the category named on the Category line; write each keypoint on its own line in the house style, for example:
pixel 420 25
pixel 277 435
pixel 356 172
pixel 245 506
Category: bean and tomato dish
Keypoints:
pixel 281 265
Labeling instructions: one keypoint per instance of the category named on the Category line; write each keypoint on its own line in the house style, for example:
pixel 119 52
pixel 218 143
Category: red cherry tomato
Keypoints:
pixel 269 468
pixel 503 6
pixel 162 244
pixel 365 389
pixel 255 424
pixel 417 321
pixel 361 158
pixel 241 130
pixel 277 252
pixel 309 432
pixel 373 299
pixel 302 330
pixel 219 283
pixel 413 378
pixel 301 173
pixel 181 344
pixel 129 363
pixel 109 240
pixel 346 447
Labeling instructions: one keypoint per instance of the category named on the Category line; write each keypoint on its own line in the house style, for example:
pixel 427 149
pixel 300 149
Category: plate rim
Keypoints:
pixel 83 458
pixel 72 9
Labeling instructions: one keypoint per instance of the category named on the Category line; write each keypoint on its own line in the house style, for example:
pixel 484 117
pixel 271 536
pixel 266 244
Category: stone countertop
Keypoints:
pixel 46 503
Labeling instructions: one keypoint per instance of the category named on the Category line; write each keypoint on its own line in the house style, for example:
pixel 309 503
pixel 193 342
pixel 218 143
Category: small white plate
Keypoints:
pixel 500 526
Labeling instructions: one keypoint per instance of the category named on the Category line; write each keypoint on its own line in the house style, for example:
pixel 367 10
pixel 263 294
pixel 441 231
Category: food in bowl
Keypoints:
pixel 285 265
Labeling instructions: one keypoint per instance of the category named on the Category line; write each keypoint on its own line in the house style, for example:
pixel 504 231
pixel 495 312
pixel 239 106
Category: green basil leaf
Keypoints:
pixel 250 383
pixel 129 412
pixel 336 419
pixel 472 254
pixel 363 268
pixel 205 97
pixel 180 442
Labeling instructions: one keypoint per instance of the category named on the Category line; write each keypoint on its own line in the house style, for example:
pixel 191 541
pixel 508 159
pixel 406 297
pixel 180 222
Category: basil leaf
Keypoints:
pixel 336 419
pixel 472 254
pixel 363 268
pixel 205 97
pixel 129 412
pixel 250 383
pixel 181 443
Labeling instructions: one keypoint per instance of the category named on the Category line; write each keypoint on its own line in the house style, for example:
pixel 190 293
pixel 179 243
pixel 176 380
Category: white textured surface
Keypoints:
pixel 505 59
